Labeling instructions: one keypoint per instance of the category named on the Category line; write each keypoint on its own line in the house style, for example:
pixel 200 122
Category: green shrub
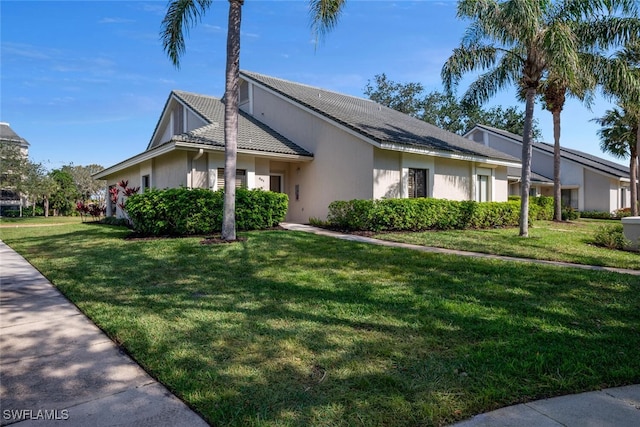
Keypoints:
pixel 622 213
pixel 181 211
pixel 11 213
pixel 541 208
pixel 611 236
pixel 596 215
pixel 420 214
pixel 570 214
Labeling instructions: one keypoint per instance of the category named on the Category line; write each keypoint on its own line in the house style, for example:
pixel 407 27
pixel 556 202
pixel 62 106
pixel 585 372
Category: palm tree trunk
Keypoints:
pixel 231 95
pixel 557 189
pixel 525 182
pixel 634 201
pixel 633 172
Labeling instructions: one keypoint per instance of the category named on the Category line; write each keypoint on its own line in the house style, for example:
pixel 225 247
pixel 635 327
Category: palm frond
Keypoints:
pixel 180 17
pixel 324 16
pixel 464 60
pixel 505 73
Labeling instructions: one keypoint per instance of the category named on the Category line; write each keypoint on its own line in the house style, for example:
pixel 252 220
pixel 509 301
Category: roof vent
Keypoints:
pixel 319 95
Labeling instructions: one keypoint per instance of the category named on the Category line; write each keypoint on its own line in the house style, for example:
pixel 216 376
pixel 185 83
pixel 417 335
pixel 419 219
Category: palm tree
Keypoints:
pixel 599 35
pixel 554 93
pixel 619 124
pixel 184 14
pixel 516 42
pixel 619 136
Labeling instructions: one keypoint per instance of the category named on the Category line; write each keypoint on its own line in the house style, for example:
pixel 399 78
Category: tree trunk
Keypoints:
pixel 231 95
pixel 634 202
pixel 633 173
pixel 557 188
pixel 46 207
pixel 525 182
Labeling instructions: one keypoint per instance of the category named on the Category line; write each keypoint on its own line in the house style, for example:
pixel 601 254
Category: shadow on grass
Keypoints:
pixel 291 328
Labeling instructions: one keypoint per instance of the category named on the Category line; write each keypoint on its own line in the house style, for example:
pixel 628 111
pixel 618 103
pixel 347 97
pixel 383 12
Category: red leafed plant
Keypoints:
pixel 127 191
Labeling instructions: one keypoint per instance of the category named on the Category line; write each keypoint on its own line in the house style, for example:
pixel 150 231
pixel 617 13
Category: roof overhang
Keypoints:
pixel 189 146
pixel 447 154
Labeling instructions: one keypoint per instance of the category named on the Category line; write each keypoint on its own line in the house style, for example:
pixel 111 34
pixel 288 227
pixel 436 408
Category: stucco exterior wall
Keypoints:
pixel 600 193
pixel 500 184
pixel 171 170
pixel 342 163
pixel 386 174
pixel 452 179
pixel 501 144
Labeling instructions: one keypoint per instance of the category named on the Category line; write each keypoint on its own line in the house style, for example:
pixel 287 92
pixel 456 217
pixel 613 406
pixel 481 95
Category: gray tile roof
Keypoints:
pixel 8 135
pixel 374 121
pixel 252 135
pixel 535 177
pixel 589 160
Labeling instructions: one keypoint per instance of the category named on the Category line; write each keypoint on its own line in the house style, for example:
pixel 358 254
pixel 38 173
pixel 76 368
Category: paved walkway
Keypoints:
pixel 56 365
pixel 363 239
pixel 58 368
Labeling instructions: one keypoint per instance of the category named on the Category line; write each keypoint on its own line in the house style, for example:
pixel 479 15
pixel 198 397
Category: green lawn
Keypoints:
pixel 289 328
pixel 566 241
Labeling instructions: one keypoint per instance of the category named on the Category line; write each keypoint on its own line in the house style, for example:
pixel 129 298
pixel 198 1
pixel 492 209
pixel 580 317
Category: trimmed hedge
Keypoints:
pixel 421 214
pixel 182 211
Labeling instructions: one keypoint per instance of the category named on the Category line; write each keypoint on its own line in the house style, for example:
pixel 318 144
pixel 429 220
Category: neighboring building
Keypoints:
pixel 315 145
pixel 10 199
pixel 588 182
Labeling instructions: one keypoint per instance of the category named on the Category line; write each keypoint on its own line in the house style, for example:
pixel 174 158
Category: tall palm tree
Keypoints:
pixel 598 36
pixel 184 14
pixel 619 136
pixel 627 93
pixel 554 92
pixel 517 42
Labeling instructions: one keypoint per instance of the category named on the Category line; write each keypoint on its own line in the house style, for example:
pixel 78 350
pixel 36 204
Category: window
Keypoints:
pixel 244 92
pixel 568 198
pixel 482 188
pixel 241 178
pixel 275 183
pixel 146 183
pixel 533 192
pixel 417 184
pixel 178 120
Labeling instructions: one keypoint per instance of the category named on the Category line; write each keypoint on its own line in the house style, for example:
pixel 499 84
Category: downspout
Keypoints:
pixel 193 168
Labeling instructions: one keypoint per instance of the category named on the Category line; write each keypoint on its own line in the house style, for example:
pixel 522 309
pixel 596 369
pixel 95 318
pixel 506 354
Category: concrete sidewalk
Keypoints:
pixel 58 368
pixel 372 241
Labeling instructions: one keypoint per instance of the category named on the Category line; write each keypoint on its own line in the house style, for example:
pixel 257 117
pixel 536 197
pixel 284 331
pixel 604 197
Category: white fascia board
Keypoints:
pixel 262 154
pixel 449 155
pixel 132 161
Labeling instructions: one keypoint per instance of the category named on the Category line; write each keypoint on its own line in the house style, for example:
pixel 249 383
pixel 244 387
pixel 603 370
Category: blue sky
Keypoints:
pixel 85 81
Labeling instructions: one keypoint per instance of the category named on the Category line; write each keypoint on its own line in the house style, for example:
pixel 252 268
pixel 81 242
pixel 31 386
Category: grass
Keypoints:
pixel 566 241
pixel 39 220
pixel 289 328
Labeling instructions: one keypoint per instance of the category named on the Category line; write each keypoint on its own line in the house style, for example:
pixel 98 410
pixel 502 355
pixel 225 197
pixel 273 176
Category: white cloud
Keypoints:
pixel 115 21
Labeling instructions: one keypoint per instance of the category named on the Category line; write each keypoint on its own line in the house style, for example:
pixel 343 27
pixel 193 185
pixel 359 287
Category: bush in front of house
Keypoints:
pixel 611 237
pixel 596 215
pixel 570 214
pixel 420 214
pixel 622 213
pixel 182 211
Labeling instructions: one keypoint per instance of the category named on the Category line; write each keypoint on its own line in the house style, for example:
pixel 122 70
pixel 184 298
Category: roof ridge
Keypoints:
pixel 308 86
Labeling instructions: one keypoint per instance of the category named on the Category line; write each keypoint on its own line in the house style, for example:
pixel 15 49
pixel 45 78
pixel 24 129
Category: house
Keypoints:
pixel 10 199
pixel 315 145
pixel 588 182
